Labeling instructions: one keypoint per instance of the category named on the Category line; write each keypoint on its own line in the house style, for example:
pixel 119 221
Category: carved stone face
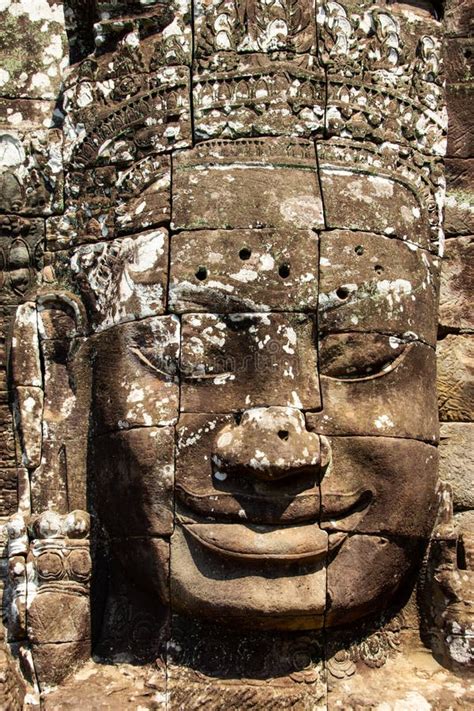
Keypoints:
pixel 252 226
pixel 268 441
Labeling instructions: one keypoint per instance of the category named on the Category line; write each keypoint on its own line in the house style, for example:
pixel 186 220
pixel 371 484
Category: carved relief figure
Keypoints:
pixel 231 359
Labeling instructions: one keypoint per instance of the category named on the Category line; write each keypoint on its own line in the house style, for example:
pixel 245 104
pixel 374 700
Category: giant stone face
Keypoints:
pixel 276 425
pixel 264 418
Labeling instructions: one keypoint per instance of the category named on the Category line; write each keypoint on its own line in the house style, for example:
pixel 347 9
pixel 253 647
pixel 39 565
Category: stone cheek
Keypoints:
pixel 372 562
pixel 138 467
pixel 399 400
pixel 368 487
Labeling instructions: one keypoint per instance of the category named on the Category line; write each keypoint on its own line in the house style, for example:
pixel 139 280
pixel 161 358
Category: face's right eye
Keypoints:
pixel 352 356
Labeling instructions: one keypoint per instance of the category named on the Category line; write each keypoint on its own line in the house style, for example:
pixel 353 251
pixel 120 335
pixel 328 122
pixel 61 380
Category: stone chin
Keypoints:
pixel 348 578
pixel 276 591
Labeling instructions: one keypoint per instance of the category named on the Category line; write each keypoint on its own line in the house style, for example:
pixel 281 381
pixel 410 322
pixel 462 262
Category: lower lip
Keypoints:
pixel 283 543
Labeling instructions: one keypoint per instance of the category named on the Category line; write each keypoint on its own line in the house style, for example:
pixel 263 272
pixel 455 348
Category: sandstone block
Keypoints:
pixel 459 212
pixel 55 617
pixel 154 117
pixel 26 366
pixel 457 278
pixel 136 289
pixel 30 401
pixel 134 481
pixel 386 208
pixel 21 255
pixel 205 183
pixel 459 18
pixel 455 359
pixel 459 62
pixel 461 122
pixel 399 401
pixel 33 70
pixel 459 173
pixel 247 360
pixel 32 176
pixel 378 565
pixel 244 270
pixel 457 461
pixel 54 662
pixel 368 487
pixel 136 365
pixel 204 563
pixel 259 102
pixel 373 283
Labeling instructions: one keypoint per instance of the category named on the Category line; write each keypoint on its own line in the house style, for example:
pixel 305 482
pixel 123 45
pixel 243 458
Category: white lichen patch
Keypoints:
pixel 383 421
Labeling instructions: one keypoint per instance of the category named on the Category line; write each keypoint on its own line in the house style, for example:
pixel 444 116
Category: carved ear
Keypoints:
pixel 46 335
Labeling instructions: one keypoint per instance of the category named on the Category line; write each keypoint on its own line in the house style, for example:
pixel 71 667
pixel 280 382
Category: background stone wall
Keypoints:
pixel 456 339
pixel 33 57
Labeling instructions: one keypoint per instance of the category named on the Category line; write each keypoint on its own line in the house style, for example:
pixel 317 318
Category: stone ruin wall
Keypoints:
pixel 37 40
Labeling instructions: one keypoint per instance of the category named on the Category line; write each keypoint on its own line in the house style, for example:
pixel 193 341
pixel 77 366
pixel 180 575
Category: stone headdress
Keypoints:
pixel 358 81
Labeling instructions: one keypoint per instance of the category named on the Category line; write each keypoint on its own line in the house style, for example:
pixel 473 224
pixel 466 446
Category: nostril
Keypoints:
pixel 283 434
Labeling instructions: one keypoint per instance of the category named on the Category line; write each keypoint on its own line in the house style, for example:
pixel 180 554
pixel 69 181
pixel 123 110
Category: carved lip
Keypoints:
pixel 275 543
pixel 343 508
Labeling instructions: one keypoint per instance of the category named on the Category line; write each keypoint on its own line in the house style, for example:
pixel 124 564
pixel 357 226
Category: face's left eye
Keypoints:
pixel 163 365
pixel 352 356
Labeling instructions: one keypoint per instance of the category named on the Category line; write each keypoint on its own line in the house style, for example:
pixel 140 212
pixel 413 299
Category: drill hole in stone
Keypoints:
pixel 245 253
pixel 359 250
pixel 201 274
pixel 284 434
pixel 343 293
pixel 284 271
pixel 379 269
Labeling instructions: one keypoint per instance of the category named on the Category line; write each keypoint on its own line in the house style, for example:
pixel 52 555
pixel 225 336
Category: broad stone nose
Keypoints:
pixel 269 443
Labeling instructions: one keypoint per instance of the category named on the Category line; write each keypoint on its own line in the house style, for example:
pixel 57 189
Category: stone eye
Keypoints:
pixel 284 271
pixel 201 274
pixel 351 356
pixel 245 254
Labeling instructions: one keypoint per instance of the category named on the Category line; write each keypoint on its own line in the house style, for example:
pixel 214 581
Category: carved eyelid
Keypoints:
pixel 392 365
pixel 140 356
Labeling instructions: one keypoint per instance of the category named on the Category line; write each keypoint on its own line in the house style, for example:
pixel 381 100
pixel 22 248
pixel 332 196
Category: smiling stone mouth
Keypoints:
pixel 307 541
pixel 338 510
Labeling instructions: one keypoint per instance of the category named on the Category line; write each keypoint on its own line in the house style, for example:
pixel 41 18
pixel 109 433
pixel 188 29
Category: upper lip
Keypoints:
pixel 278 509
